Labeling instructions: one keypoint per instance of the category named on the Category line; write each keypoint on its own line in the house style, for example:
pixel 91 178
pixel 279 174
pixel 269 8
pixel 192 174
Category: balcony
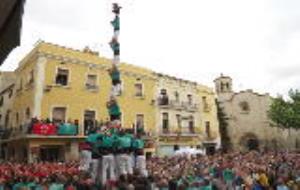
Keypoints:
pixel 165 103
pixel 43 130
pixel 183 131
pixel 189 106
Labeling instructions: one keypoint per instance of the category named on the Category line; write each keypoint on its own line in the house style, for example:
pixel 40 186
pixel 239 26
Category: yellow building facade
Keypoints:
pixel 59 83
pixel 186 115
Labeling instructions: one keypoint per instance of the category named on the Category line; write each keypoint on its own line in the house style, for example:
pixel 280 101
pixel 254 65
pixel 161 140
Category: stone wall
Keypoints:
pixel 247 113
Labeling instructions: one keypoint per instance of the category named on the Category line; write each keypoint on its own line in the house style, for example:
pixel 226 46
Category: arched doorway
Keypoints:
pixel 252 144
pixel 249 141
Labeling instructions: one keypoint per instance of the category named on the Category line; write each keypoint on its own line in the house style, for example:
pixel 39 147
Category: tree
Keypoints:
pixel 286 113
pixel 223 125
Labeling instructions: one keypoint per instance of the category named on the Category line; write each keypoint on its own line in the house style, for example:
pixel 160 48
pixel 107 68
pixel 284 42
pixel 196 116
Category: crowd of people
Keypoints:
pixel 252 170
pixel 232 171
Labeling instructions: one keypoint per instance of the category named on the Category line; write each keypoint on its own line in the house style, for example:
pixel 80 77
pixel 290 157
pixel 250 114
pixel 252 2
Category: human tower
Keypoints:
pixel 111 151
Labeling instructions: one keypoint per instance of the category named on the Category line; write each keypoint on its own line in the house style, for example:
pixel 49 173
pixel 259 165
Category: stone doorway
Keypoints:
pixel 252 144
pixel 249 141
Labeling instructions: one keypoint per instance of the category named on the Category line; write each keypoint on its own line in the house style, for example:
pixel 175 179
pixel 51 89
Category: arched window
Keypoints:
pixel 244 106
pixel 227 86
pixel 222 87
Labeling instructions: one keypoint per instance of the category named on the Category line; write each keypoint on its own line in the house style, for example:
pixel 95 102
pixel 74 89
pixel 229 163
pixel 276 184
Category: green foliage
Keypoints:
pixel 286 113
pixel 223 125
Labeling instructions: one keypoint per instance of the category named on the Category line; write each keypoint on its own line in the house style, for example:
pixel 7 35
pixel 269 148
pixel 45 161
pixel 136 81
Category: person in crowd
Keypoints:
pixel 124 159
pixel 85 156
pixel 67 128
pixel 107 158
pixel 138 148
pixel 249 171
pixel 95 139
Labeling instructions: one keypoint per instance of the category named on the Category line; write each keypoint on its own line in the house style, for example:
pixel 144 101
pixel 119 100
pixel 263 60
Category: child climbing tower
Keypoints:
pixel 112 104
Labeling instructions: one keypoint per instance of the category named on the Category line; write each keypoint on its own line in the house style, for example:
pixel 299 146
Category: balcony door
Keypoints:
pixel 89 120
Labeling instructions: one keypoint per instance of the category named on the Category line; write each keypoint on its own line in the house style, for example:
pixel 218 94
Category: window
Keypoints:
pixel 1 101
pixel 163 97
pixel 222 86
pixel 62 77
pixel 191 124
pixel 27 113
pixel 178 118
pixel 244 106
pixel 59 115
pixel 205 104
pixel 31 77
pixel 204 100
pixel 138 89
pixel 91 82
pixel 176 94
pixel 207 129
pixel 17 119
pixel 89 120
pixel 190 98
pixel 140 122
pixel 165 122
pixel 227 86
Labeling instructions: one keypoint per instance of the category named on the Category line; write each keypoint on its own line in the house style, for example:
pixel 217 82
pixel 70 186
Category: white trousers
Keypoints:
pixel 94 169
pixel 116 90
pixel 124 162
pixel 85 160
pixel 116 60
pixel 108 166
pixel 141 165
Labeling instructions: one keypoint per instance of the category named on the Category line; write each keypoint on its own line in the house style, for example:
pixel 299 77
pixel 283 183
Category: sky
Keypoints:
pixel 256 43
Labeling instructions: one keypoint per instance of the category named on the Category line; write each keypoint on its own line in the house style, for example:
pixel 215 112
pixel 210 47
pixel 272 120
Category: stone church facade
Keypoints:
pixel 248 124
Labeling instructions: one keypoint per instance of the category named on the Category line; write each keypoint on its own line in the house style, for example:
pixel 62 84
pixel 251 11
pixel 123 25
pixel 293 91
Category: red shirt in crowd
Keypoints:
pixel 44 129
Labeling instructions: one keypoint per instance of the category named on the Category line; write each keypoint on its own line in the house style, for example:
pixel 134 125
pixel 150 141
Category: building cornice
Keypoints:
pixel 104 66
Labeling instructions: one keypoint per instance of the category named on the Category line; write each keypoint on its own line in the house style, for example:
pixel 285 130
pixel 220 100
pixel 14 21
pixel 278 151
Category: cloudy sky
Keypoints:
pixel 255 42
